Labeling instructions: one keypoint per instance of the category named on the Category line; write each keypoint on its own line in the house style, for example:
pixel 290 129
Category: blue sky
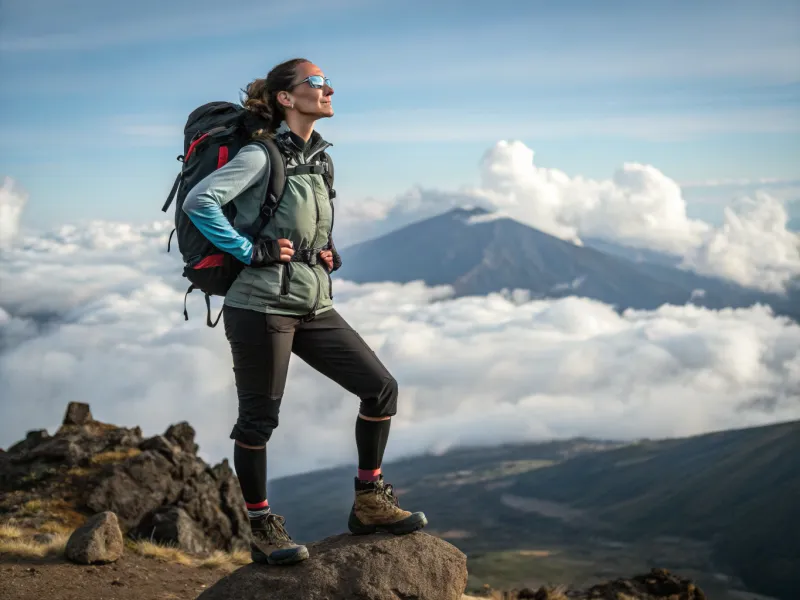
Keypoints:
pixel 95 94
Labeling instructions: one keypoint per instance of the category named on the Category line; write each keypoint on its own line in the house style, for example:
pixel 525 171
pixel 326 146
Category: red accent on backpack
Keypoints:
pixel 223 156
pixel 193 144
pixel 212 260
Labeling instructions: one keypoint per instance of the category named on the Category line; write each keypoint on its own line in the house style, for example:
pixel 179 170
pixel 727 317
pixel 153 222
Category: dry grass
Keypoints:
pixel 53 527
pixel 227 561
pixel 161 552
pixel 79 472
pixel 113 456
pixel 10 532
pixel 61 515
pixel 27 548
pixel 241 557
pixel 31 507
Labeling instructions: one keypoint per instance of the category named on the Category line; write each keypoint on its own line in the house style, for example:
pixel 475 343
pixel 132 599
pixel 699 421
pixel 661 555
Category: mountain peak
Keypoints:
pixel 468 211
pixel 478 251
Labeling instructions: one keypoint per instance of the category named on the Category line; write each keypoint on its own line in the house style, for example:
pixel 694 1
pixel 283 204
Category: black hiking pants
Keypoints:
pixel 261 346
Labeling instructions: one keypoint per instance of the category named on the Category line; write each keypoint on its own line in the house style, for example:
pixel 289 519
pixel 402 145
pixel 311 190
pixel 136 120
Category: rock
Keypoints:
pixel 99 540
pixel 78 413
pixel 417 566
pixel 171 525
pixel 158 443
pixel 658 583
pixel 58 450
pixel 32 439
pixel 88 468
pixel 182 434
pixel 135 487
pixel 211 498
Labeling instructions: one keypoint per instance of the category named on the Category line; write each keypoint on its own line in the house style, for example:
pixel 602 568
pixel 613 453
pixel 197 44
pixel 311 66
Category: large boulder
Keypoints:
pixel 417 566
pixel 99 540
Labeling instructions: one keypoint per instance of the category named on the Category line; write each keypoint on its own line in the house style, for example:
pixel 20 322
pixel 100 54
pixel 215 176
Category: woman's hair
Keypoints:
pixel 261 95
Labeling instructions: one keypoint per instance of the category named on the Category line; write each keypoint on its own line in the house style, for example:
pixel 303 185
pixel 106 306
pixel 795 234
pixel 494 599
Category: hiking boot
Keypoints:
pixel 272 544
pixel 376 509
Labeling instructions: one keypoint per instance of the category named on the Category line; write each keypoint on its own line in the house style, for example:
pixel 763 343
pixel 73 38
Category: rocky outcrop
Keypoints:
pixel 157 487
pixel 658 584
pixel 375 567
pixel 99 540
pixel 173 525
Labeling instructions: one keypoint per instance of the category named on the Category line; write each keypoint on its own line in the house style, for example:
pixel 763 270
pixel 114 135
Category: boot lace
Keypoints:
pixel 386 491
pixel 275 530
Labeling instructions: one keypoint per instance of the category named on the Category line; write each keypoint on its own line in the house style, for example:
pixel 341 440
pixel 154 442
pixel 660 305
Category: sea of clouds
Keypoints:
pixel 93 312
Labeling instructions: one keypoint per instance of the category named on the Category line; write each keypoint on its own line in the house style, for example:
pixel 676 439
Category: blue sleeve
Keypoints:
pixel 204 202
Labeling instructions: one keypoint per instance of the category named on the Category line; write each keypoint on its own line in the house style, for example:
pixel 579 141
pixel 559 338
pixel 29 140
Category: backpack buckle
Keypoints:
pixel 310 256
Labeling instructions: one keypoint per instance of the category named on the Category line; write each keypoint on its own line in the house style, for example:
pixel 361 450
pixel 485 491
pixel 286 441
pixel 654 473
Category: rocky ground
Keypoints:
pixel 97 511
pixel 132 577
pixel 135 577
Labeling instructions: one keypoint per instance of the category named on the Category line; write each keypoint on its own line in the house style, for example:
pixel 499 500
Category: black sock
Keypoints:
pixel 251 469
pixel 371 438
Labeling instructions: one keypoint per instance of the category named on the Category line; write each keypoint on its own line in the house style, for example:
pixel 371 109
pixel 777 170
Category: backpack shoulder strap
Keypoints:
pixel 328 174
pixel 274 187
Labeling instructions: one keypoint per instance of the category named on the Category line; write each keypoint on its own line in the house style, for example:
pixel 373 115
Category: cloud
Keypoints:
pixel 638 206
pixel 475 370
pixel 753 247
pixel 741 182
pixel 12 203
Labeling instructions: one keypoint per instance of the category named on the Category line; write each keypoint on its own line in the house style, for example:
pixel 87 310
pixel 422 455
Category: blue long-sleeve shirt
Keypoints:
pixel 204 202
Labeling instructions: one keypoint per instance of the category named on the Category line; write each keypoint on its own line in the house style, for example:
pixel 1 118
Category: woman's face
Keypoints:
pixel 311 97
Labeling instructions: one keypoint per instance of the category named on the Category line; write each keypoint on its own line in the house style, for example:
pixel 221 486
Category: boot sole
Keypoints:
pixel 408 525
pixel 289 559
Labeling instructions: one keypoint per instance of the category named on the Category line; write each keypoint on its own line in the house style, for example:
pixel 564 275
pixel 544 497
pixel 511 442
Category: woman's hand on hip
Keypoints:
pixel 327 257
pixel 267 252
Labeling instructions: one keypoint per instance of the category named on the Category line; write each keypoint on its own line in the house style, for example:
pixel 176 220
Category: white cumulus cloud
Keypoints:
pixel 753 247
pixel 638 206
pixel 99 319
pixel 12 203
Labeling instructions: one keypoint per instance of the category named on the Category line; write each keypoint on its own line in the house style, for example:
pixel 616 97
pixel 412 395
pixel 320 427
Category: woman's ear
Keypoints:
pixel 285 99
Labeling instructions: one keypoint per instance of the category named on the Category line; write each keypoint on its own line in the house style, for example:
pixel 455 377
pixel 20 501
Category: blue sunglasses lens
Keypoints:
pixel 317 81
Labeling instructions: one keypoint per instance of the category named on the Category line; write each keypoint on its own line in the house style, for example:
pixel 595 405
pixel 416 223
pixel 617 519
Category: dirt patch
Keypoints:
pixel 132 577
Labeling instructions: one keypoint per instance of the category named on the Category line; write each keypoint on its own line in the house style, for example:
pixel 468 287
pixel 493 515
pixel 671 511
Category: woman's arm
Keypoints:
pixel 204 202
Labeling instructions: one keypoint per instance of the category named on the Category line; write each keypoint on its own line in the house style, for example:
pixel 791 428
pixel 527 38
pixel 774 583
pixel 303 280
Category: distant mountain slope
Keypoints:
pixel 737 490
pixel 484 256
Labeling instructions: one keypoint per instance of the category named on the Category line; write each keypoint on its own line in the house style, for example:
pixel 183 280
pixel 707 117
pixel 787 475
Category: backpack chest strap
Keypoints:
pixel 315 169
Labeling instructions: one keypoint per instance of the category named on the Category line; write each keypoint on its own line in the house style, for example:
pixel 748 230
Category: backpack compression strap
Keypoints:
pixel 275 187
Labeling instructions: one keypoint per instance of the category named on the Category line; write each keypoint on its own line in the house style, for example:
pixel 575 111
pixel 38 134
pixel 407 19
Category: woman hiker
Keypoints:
pixel 281 304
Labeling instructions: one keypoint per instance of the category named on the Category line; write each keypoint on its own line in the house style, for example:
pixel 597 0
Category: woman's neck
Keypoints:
pixel 300 125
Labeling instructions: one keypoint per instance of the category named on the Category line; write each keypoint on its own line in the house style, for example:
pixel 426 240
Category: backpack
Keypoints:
pixel 213 134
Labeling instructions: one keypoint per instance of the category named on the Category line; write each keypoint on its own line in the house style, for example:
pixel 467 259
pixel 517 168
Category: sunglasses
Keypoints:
pixel 315 81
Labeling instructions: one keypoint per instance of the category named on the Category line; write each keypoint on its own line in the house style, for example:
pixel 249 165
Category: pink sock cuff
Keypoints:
pixel 263 504
pixel 369 475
